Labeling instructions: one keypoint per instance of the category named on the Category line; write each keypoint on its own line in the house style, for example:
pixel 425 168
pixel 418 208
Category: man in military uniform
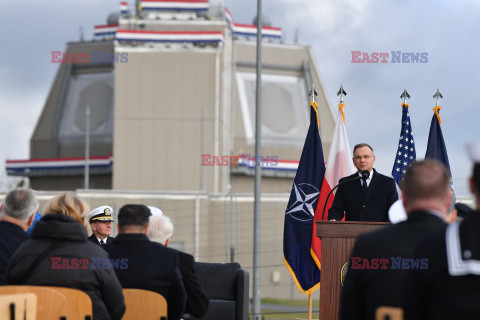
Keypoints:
pixel 101 222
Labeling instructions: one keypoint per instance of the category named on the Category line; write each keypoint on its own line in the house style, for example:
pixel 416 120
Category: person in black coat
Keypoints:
pixel 59 254
pixel 100 220
pixel 450 288
pixel 151 266
pixel 160 229
pixel 18 213
pixel 364 200
pixel 381 260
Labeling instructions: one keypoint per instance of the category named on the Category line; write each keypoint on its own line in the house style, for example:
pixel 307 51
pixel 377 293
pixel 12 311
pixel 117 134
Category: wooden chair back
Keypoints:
pixel 79 304
pixel 18 306
pixel 51 304
pixel 144 304
pixel 389 313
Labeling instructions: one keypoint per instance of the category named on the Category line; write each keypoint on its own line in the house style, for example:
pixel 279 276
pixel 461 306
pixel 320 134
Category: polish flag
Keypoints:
pixel 339 165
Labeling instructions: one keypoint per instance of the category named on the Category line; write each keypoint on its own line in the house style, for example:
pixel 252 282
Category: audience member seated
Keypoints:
pixel 101 223
pixel 59 254
pixel 18 209
pixel 160 229
pixel 37 218
pixel 151 266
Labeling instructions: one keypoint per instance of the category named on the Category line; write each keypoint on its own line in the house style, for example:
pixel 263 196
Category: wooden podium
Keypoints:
pixel 338 239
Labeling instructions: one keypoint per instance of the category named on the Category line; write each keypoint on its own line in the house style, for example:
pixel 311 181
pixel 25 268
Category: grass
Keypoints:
pixel 270 315
pixel 286 302
pixel 275 314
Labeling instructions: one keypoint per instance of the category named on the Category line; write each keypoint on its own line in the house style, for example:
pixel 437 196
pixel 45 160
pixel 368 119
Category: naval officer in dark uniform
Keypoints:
pixel 100 220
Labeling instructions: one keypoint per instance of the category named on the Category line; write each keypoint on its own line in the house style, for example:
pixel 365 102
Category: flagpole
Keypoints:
pixel 310 306
pixel 313 93
pixel 258 178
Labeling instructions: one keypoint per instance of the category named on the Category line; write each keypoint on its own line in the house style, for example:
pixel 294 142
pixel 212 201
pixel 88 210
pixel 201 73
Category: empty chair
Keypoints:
pixel 389 313
pixel 51 304
pixel 226 284
pixel 79 304
pixel 144 304
pixel 18 306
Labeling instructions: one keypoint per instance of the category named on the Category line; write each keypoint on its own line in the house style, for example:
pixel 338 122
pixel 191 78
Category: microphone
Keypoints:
pixel 364 175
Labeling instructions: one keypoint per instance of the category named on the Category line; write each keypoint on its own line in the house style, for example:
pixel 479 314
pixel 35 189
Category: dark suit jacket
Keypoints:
pixel 365 290
pixel 11 237
pixel 197 299
pixel 95 240
pixel 151 266
pixel 348 201
pixel 435 294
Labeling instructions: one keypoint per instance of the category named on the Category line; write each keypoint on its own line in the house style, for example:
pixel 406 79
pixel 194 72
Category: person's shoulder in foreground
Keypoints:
pixel 450 287
pixel 382 259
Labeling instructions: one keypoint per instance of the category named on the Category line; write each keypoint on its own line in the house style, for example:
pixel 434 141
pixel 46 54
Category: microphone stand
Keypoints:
pixel 364 175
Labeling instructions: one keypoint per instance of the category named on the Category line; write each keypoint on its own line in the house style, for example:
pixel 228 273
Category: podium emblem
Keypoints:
pixel 343 271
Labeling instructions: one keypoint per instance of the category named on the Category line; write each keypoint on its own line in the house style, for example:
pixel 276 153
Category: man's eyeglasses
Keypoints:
pixel 363 157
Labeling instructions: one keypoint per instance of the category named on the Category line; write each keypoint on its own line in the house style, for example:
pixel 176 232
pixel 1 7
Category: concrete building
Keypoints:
pixel 164 87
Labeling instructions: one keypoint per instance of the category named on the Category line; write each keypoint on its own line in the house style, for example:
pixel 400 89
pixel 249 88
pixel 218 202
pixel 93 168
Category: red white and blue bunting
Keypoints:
pixel 174 5
pixel 123 7
pixel 105 30
pixel 26 166
pixel 245 30
pixel 170 36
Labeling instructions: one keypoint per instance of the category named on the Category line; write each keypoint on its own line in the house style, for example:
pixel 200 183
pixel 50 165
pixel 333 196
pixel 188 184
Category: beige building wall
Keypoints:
pixel 157 124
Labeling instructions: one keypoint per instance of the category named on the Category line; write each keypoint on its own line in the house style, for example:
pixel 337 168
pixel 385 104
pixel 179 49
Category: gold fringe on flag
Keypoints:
pixel 341 105
pixel 314 105
pixel 436 109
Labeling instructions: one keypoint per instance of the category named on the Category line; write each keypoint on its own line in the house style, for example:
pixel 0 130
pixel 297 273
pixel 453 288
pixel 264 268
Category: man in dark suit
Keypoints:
pixel 160 230
pixel 151 266
pixel 18 212
pixel 100 220
pixel 364 199
pixel 382 259
pixel 450 287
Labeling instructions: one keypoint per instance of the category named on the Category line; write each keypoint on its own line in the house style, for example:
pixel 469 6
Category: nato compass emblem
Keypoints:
pixel 301 207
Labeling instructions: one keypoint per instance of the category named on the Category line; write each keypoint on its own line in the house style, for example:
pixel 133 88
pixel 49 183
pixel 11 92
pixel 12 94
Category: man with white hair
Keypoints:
pixel 160 229
pixel 18 212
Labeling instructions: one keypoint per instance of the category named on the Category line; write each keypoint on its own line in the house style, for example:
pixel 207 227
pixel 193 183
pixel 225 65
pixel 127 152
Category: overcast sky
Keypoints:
pixel 445 29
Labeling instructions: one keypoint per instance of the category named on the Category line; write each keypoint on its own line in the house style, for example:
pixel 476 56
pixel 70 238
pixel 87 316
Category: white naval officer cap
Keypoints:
pixel 103 213
pixel 155 211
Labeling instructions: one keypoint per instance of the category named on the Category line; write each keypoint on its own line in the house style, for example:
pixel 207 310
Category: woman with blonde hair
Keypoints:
pixel 58 254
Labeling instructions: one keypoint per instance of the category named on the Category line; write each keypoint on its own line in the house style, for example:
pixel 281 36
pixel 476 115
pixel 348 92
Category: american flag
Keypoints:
pixel 406 147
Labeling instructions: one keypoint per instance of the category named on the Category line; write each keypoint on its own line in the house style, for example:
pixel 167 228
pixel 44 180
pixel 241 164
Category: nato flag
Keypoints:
pixel 297 234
